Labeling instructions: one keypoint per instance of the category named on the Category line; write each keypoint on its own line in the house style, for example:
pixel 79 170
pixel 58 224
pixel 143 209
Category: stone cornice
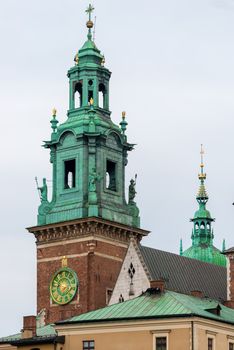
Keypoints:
pixel 86 227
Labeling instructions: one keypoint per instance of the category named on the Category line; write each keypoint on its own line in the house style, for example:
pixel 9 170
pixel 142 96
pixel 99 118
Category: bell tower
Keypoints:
pixel 202 234
pixel 88 151
pixel 83 232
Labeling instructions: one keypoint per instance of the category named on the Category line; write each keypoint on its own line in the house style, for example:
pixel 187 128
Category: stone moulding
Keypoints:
pixel 86 227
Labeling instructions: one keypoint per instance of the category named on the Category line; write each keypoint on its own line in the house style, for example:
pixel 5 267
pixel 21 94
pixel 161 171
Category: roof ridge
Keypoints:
pixel 175 294
pixel 141 258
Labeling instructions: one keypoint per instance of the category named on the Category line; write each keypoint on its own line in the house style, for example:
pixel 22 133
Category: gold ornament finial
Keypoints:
pixel 76 59
pixel 123 115
pixel 64 261
pixel 54 112
pixel 91 101
pixel 202 153
pixel 89 11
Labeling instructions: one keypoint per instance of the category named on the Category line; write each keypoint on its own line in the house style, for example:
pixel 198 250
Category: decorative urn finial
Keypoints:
pixel 123 124
pixel 54 121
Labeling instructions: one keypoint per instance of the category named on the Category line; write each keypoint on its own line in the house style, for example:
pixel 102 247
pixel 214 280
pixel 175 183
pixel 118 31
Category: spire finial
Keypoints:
pixel 224 246
pixel 202 176
pixel 89 24
pixel 202 195
pixel 181 247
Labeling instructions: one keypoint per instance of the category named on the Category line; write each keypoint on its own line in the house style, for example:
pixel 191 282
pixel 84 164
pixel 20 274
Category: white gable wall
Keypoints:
pixel 140 279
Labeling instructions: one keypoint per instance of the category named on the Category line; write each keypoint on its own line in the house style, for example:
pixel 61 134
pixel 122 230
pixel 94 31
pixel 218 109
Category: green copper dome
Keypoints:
pixel 206 253
pixel 202 234
pixel 201 213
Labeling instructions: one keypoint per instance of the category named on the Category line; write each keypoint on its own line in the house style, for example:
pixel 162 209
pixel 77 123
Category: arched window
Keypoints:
pixel 121 299
pixel 101 95
pixel 78 95
pixel 70 173
pixel 196 226
pixel 202 226
pixel 111 175
pixel 207 226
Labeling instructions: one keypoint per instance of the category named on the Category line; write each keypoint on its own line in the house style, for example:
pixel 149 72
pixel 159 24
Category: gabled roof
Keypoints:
pixel 153 305
pixel 184 274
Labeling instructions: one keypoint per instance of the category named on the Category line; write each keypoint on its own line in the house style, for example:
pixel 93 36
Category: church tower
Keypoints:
pixel 202 234
pixel 83 233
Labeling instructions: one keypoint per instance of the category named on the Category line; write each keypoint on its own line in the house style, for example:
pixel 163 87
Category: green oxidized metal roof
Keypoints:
pixel 45 331
pixel 202 213
pixel 148 305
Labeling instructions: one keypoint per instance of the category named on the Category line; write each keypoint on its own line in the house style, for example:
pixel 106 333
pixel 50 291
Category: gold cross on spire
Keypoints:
pixel 202 153
pixel 89 10
pixel 202 176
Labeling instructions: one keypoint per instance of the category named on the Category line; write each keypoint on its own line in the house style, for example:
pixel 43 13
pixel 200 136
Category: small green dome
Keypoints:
pixel 201 213
pixel 206 253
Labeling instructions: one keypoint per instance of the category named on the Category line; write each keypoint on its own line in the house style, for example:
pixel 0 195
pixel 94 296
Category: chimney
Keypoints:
pixel 197 293
pixel 230 277
pixel 157 285
pixel 29 327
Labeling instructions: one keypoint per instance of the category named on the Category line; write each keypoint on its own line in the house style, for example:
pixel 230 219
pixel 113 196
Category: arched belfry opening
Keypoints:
pixel 90 90
pixel 102 95
pixel 78 94
pixel 202 225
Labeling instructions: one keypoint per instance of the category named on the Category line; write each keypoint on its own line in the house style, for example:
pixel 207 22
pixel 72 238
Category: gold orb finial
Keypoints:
pixel 91 101
pixel 123 115
pixel 89 24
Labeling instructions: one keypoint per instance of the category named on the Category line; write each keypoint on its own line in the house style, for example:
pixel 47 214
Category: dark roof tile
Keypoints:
pixel 184 275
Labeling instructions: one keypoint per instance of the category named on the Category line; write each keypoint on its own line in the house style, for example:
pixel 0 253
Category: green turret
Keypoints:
pixel 88 151
pixel 202 234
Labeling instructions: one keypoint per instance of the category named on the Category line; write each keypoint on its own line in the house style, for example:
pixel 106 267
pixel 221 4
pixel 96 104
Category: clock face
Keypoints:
pixel 63 286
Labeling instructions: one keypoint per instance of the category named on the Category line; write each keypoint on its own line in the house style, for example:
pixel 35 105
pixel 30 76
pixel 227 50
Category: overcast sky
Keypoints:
pixel 173 73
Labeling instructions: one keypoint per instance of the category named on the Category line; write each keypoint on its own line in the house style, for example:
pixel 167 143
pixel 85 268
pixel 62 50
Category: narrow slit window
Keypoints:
pixel 111 176
pixel 70 173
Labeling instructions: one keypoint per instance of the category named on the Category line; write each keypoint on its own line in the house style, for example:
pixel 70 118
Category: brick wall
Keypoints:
pixel 97 264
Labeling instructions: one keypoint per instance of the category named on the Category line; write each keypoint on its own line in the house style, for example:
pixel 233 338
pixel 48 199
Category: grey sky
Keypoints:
pixel 173 72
